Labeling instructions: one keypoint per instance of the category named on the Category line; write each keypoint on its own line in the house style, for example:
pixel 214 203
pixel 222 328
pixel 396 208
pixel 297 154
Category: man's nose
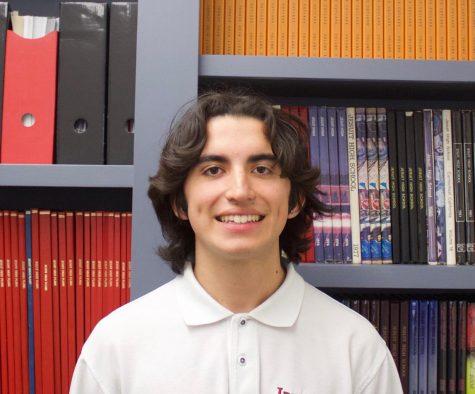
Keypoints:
pixel 240 187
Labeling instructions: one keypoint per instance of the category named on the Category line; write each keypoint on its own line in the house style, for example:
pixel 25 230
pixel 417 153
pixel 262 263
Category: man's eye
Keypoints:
pixel 212 171
pixel 262 170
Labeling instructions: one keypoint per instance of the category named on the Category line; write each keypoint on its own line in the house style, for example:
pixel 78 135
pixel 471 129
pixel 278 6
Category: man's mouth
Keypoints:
pixel 240 219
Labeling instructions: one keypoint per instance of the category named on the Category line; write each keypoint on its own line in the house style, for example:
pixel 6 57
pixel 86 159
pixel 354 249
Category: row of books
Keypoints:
pixel 400 184
pixel 394 29
pixel 432 342
pixel 60 273
pixel 76 105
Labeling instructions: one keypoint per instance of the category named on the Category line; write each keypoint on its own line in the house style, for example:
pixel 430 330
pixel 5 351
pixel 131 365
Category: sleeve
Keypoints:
pixel 385 380
pixel 84 381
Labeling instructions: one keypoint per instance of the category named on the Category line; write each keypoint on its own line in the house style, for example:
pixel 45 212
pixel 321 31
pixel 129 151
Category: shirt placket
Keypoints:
pixel 244 356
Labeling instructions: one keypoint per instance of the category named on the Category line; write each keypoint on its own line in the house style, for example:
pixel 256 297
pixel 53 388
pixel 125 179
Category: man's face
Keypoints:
pixel 237 201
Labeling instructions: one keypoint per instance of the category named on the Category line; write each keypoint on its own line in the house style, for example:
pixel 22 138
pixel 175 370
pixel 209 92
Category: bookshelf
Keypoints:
pixel 171 73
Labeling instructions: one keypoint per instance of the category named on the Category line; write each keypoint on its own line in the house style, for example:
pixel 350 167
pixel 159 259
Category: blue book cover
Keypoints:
pixel 432 348
pixel 315 162
pixel 325 182
pixel 363 186
pixel 439 187
pixel 29 284
pixel 423 342
pixel 413 346
pixel 334 184
pixel 344 185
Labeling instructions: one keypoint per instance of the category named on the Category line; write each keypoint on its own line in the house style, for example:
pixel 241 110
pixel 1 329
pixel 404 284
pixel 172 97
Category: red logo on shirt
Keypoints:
pixel 280 390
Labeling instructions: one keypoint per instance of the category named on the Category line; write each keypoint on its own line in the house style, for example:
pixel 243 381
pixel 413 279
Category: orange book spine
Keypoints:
pixel 378 28
pixel 70 264
pixel 129 253
pixel 16 299
pixel 23 301
pixel 106 298
pixel 208 32
pixel 87 274
pixel 283 28
pixel 452 43
pixel 304 27
pixel 441 29
pixel 116 256
pixel 202 27
pixel 325 38
pixel 251 27
pixel 63 301
pixel 9 305
pixel 110 258
pixel 240 28
pixel 229 17
pixel 47 360
pixel 218 27
pixel 471 29
pixel 123 258
pixel 420 18
pixel 293 41
pixel 388 29
pixel 367 29
pixel 3 320
pixel 79 232
pixel 99 267
pixel 335 28
pixel 261 30
pixel 35 256
pixel 56 303
pixel 357 29
pixel 272 18
pixel 399 29
pixel 431 38
pixel 462 32
pixel 346 28
pixel 314 43
pixel 409 30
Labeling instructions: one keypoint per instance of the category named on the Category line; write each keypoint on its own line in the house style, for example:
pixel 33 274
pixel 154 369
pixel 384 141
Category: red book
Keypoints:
pixel 87 274
pixel 47 357
pixel 129 253
pixel 79 281
pixel 33 90
pixel 110 259
pixel 63 302
pixel 106 247
pixel 99 266
pixel 3 320
pixel 35 257
pixel 23 301
pixel 123 258
pixel 9 303
pixel 116 260
pixel 16 299
pixel 94 312
pixel 56 303
pixel 70 284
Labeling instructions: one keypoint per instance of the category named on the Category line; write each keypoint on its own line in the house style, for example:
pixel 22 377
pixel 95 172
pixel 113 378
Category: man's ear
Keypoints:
pixel 293 212
pixel 179 211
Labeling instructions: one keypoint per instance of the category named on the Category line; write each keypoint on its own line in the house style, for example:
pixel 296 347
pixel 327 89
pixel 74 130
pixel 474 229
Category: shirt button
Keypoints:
pixel 243 322
pixel 242 361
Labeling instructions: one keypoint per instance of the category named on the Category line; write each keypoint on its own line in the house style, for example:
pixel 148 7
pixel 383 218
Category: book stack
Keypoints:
pixel 399 184
pixel 60 273
pixel 390 29
pixel 431 341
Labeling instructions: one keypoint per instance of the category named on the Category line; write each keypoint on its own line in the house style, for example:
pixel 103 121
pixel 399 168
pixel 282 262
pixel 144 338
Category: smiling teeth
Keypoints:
pixel 239 218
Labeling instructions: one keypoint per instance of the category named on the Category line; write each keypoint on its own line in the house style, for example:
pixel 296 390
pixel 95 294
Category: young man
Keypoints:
pixel 234 190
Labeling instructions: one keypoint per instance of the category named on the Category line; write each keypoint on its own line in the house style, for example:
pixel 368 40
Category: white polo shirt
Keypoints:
pixel 178 339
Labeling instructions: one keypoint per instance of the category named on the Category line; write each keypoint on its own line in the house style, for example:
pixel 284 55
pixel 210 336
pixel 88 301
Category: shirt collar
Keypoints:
pixel 281 309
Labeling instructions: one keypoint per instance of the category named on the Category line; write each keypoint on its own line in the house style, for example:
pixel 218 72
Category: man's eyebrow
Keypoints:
pixel 223 159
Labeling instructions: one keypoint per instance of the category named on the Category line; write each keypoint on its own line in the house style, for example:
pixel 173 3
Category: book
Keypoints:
pixel 63 299
pixel 452 347
pixel 229 25
pixel 388 31
pixel 398 29
pixel 87 274
pixel 293 33
pixel 432 349
pixel 420 27
pixel 423 345
pixel 218 26
pixel 385 321
pixel 251 27
pixel 462 29
pixel 55 286
pixel 283 28
pixel 461 344
pixel 325 28
pixel 346 29
pixel 272 18
pixel 394 330
pixel 79 271
pixel 335 28
pixel 315 38
pixel 404 344
pixel 261 29
pixel 71 287
pixel 469 196
pixel 409 29
pixel 452 42
pixel 357 28
pixel 378 27
pixel 430 30
pixel 207 26
pixel 375 314
pixel 411 187
pixel 394 186
pixel 240 27
pixel 413 347
pixel 441 29
pixel 470 371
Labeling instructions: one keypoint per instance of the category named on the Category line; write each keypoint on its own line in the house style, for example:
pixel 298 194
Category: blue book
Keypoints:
pixel 423 342
pixel 315 162
pixel 413 346
pixel 29 284
pixel 432 348
pixel 325 182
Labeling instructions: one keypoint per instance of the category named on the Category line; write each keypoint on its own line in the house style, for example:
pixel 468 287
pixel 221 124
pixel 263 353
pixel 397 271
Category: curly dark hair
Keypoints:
pixel 186 140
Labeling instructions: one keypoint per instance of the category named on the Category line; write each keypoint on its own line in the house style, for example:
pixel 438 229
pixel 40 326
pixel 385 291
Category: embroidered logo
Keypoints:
pixel 280 390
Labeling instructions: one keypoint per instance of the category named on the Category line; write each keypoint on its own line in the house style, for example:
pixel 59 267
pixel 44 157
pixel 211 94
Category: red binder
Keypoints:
pixel 29 90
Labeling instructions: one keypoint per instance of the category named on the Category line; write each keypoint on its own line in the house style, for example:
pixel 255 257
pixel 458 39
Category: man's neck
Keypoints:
pixel 239 285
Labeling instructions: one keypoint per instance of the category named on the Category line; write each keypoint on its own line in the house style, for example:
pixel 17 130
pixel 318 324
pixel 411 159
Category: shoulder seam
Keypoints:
pixel 93 375
pixel 372 374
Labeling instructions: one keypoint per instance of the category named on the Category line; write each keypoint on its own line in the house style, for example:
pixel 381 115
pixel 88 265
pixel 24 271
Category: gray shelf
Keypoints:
pixel 300 68
pixel 380 277
pixel 59 175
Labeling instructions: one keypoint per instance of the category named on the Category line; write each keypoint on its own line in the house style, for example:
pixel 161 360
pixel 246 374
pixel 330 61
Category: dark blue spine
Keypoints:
pixel 31 328
pixel 432 348
pixel 413 346
pixel 423 342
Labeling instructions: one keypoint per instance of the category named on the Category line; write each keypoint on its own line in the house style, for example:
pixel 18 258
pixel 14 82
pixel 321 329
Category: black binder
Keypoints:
pixel 80 120
pixel 4 22
pixel 121 100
